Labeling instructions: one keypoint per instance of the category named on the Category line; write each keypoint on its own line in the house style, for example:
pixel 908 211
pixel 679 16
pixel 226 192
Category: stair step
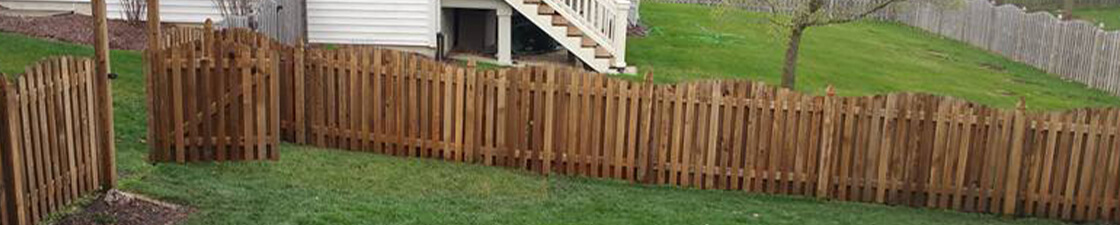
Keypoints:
pixel 558 20
pixel 574 31
pixel 546 10
pixel 533 1
pixel 588 42
pixel 602 53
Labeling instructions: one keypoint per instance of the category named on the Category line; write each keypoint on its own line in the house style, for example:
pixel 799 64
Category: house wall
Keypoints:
pixel 409 23
pixel 174 11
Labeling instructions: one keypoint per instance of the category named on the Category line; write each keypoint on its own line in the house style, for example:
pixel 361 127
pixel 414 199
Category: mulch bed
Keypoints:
pixel 119 208
pixel 76 28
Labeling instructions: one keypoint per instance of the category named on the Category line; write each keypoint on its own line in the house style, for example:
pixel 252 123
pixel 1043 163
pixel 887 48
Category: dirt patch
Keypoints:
pixel 118 208
pixel 993 67
pixel 76 28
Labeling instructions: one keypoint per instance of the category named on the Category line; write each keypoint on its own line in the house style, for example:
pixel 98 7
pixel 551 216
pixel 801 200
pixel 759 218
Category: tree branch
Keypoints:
pixel 859 16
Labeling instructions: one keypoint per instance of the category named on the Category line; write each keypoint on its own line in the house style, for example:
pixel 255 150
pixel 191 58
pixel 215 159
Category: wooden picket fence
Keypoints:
pixel 50 150
pixel 902 149
pixel 214 97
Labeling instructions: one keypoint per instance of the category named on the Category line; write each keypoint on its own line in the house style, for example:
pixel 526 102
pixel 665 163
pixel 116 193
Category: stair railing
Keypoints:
pixel 604 21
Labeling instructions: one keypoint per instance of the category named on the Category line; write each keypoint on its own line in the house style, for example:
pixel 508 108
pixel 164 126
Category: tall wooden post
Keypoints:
pixel 151 55
pixel 107 139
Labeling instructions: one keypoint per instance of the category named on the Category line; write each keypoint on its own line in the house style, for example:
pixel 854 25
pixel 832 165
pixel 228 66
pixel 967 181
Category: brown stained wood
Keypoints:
pixel 1084 187
pixel 646 148
pixel 910 149
pixel 300 83
pixel 751 158
pixel 246 110
pixel 630 156
pixel 610 122
pixel 739 118
pixel 1080 131
pixel 1010 199
pixel 827 148
pixel 678 130
pixel 691 102
pixel 619 120
pixel 273 108
pixel 724 167
pixel 457 133
pixel 716 95
pixel 14 160
pixel 69 70
pixel 550 101
pixel 574 155
pixel 33 156
pixel 1110 203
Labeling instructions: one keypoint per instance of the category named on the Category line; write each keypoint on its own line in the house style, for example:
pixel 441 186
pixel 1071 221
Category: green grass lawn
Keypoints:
pixel 1110 16
pixel 316 186
pixel 685 42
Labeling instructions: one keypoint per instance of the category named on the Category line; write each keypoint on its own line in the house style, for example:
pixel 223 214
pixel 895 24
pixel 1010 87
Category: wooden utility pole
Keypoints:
pixel 107 138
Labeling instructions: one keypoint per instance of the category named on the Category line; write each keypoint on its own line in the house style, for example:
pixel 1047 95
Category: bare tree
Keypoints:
pixel 134 10
pixel 1068 13
pixel 235 7
pixel 791 18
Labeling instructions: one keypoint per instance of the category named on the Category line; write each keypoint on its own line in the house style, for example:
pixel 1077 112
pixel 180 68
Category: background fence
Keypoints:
pixel 904 149
pixel 1050 5
pixel 1076 50
pixel 215 97
pixel 50 154
pixel 282 20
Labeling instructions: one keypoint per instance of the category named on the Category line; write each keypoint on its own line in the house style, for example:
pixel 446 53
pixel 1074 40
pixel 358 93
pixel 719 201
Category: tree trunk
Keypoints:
pixel 1068 13
pixel 789 73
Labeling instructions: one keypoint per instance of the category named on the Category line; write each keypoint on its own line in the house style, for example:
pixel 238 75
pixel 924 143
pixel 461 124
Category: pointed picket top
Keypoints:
pixel 831 91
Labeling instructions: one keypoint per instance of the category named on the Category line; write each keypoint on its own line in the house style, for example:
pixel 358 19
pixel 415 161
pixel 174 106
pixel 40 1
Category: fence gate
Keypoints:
pixel 52 149
pixel 214 97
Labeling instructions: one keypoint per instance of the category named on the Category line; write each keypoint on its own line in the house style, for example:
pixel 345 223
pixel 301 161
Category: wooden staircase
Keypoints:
pixel 592 30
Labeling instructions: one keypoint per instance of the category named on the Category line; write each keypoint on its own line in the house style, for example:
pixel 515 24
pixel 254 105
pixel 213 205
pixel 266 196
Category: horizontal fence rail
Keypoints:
pixel 903 149
pixel 49 144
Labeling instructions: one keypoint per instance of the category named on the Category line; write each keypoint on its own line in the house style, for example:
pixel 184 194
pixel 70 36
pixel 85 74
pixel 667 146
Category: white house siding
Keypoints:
pixel 376 22
pixel 174 11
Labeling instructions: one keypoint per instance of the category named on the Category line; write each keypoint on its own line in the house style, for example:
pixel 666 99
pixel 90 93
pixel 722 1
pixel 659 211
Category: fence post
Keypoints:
pixel 648 137
pixel 12 157
pixel 1010 200
pixel 298 82
pixel 153 60
pixel 825 168
pixel 107 145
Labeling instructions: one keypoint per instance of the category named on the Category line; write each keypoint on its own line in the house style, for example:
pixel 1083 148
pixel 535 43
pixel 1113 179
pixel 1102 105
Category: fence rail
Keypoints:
pixel 905 149
pixel 49 139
